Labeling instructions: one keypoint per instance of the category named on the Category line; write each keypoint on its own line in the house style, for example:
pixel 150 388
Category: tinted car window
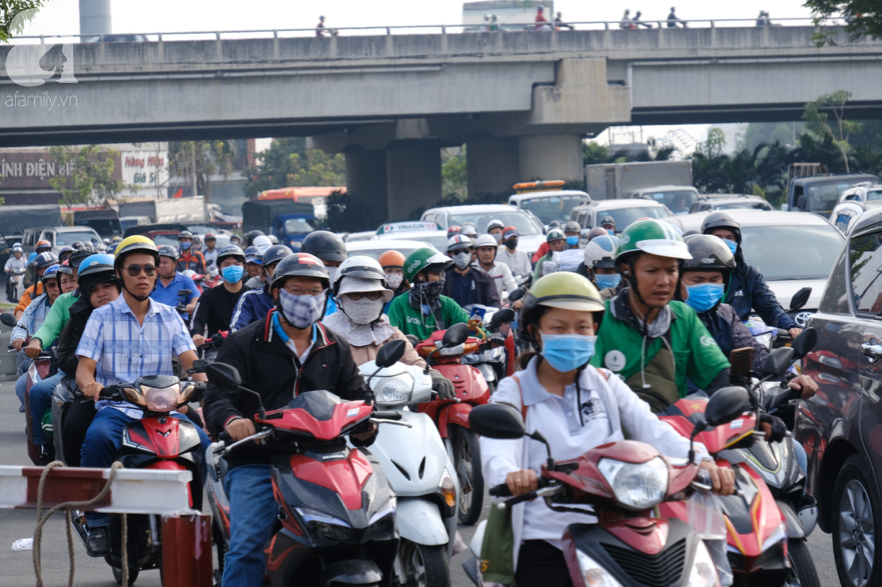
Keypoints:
pixel 678 201
pixel 784 253
pixel 865 258
pixel 835 299
pixel 624 217
pixel 525 225
pixel 746 205
pixel 549 208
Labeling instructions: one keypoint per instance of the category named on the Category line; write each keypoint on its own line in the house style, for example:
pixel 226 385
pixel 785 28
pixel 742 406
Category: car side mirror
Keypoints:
pixel 801 203
pixel 8 319
pixel 805 342
pixel 517 294
pixel 390 353
pixel 223 375
pixel 497 421
pixel 778 361
pixel 502 316
pixel 725 405
pixel 800 298
pixel 455 335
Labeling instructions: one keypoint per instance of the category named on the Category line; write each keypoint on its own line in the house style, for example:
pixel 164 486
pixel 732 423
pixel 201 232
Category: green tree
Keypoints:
pixel 862 18
pixel 197 161
pixel 817 116
pixel 315 167
pixel 454 174
pixel 715 144
pixel 274 166
pixel 88 174
pixel 9 9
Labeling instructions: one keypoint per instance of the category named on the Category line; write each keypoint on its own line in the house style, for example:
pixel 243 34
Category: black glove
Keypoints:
pixel 442 385
pixel 779 429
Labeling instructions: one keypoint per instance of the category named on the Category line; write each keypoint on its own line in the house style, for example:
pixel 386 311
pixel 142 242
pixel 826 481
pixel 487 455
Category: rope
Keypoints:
pixel 74 505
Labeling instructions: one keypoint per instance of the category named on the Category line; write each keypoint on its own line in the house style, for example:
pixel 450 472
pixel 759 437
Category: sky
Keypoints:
pixel 60 17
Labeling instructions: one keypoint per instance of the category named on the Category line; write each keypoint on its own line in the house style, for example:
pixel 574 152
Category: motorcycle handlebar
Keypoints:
pixel 387 415
pixel 500 490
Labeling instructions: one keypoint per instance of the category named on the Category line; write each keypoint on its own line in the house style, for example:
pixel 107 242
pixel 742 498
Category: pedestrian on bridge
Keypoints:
pixel 560 24
pixel 626 21
pixel 320 27
pixel 639 23
pixel 674 21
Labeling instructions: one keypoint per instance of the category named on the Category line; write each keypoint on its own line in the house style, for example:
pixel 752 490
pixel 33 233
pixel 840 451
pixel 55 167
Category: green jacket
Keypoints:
pixel 411 321
pixel 538 268
pixel 696 354
pixel 55 320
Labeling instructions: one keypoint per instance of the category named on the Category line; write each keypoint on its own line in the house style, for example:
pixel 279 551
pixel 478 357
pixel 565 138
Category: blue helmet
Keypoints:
pixel 50 273
pixel 95 264
pixel 253 255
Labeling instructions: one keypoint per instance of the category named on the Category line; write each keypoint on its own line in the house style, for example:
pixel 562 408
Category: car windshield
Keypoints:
pixel 824 197
pixel 550 208
pixel 783 253
pixel 624 217
pixel 166 239
pixel 525 225
pixel 745 205
pixel 874 195
pixel 297 226
pixel 107 226
pixel 439 240
pixel 678 201
pixel 63 239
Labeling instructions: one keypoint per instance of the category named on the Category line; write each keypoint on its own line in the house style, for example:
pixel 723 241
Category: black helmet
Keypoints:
pixel 607 220
pixel 572 226
pixel 597 231
pixel 302 265
pixel 185 234
pixel 325 245
pixel 274 254
pixel 168 251
pixel 230 251
pixel 709 253
pixel 77 245
pixel 46 260
pixel 79 255
pixel 554 224
pixel 716 220
pixel 251 235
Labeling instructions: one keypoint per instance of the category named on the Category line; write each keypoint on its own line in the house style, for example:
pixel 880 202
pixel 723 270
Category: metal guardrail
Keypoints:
pixel 443 29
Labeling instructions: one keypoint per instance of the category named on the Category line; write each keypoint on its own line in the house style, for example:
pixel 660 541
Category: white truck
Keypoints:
pixel 167 210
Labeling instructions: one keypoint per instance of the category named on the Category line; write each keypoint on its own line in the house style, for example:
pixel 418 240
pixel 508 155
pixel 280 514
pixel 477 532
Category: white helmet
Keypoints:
pixel 361 268
pixel 486 240
pixel 601 252
pixel 262 242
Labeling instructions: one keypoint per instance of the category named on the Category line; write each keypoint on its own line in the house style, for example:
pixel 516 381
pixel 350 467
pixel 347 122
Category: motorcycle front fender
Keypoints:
pixel 457 414
pixel 794 525
pixel 419 521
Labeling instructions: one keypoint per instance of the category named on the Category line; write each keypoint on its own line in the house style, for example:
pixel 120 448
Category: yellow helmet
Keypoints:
pixel 563 289
pixel 135 244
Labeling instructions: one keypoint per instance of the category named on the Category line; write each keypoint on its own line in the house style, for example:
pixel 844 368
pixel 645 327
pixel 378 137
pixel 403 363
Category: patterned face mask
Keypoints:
pixel 426 293
pixel 394 280
pixel 301 311
pixel 363 311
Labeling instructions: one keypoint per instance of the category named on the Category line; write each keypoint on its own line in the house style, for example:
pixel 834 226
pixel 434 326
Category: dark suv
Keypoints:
pixel 841 427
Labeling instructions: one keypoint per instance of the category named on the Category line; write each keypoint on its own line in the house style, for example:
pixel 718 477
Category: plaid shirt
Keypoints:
pixel 125 350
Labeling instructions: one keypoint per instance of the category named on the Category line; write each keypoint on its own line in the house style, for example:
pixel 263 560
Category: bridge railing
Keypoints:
pixel 412 29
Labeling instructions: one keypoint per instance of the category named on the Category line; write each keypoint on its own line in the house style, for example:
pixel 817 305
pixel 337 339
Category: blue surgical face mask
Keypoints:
pixel 567 352
pixel 607 281
pixel 233 273
pixel 733 246
pixel 704 296
pixel 611 231
pixel 572 240
pixel 185 246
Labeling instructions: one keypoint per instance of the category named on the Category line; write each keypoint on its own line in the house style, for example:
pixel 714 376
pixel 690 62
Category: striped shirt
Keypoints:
pixel 125 350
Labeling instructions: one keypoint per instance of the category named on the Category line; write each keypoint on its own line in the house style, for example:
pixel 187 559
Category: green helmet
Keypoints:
pixel 653 237
pixel 563 289
pixel 425 259
pixel 555 234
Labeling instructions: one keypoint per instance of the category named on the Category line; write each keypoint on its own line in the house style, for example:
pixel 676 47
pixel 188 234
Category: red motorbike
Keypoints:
pixel 336 522
pixel 444 351
pixel 629 545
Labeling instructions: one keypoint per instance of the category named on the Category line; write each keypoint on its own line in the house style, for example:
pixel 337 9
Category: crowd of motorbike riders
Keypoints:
pixel 612 329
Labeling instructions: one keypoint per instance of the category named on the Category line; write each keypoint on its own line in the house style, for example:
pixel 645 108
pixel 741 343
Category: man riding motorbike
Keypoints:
pixel 653 343
pixel 31 274
pixel 256 303
pixel 15 262
pixel 556 241
pixel 576 407
pixel 361 292
pixel 424 310
pixel 216 306
pixel 123 340
pixel 189 258
pixel 171 281
pixel 600 265
pixel 331 250
pixel 747 290
pixel 486 249
pixel 466 284
pixel 286 353
pixel 517 261
pixel 40 264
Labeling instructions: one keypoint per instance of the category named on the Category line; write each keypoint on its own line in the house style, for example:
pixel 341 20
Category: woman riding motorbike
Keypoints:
pixel 361 292
pixel 576 407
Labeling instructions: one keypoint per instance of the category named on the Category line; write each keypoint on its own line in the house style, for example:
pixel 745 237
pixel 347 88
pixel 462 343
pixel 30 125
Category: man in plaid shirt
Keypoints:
pixel 129 337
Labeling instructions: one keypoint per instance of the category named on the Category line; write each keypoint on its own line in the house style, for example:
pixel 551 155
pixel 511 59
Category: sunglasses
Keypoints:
pixel 371 295
pixel 135 270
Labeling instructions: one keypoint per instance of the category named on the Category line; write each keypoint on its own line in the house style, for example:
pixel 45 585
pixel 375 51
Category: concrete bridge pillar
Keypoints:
pixel 366 185
pixel 493 166
pixel 550 157
pixel 413 169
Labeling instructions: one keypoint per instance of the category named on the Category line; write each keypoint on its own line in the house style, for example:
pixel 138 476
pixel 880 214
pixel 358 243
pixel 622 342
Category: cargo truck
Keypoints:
pixel 666 182
pixel 169 210
pixel 290 221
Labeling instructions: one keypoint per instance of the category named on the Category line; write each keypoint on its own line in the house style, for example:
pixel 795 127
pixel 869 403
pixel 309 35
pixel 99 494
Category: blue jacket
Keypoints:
pixel 748 290
pixel 32 318
pixel 254 305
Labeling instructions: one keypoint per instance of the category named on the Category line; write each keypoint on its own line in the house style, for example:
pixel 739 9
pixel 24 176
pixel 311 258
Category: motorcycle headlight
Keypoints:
pixel 324 527
pixel 394 390
pixel 704 572
pixel 163 399
pixel 593 574
pixel 637 486
pixel 447 491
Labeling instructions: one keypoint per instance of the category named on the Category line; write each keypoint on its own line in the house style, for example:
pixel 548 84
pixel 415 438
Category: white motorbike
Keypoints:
pixel 16 285
pixel 419 471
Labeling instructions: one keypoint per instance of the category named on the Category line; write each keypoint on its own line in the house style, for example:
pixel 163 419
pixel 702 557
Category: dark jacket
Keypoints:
pixel 70 337
pixel 730 333
pixel 486 292
pixel 748 290
pixel 267 366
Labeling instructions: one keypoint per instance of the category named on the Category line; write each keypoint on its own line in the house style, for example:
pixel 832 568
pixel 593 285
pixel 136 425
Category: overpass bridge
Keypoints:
pixel 520 101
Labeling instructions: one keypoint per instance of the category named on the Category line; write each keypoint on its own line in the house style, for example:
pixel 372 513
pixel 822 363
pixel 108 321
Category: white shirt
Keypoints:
pixel 210 256
pixel 13 263
pixel 517 261
pixel 502 277
pixel 570 437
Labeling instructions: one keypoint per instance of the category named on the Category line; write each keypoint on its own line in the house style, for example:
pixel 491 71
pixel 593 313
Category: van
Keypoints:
pixel 59 237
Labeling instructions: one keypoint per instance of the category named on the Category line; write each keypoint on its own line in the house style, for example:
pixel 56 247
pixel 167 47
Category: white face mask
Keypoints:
pixel 363 311
pixel 393 280
pixel 462 260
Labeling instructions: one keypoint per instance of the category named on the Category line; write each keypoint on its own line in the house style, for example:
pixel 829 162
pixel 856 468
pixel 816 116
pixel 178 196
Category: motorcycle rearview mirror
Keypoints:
pixel 390 353
pixel 183 293
pixel 224 375
pixel 8 319
pixel 455 335
pixel 502 316
pixel 725 405
pixel 517 294
pixel 778 361
pixel 800 298
pixel 805 342
pixel 497 421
